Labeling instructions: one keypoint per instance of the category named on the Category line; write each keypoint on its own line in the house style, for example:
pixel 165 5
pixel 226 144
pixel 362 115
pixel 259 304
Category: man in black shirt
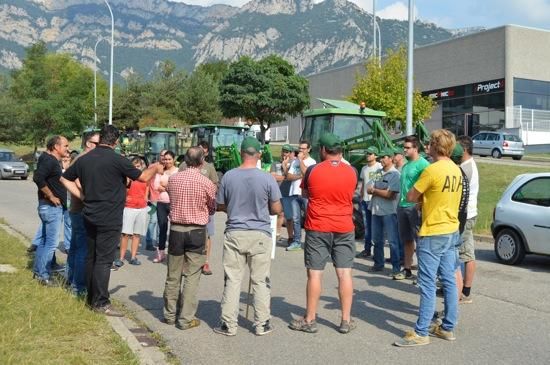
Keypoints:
pixel 102 174
pixel 52 199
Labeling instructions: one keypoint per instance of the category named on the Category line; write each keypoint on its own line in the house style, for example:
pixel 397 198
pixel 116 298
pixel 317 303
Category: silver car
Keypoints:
pixel 498 144
pixel 521 219
pixel 10 166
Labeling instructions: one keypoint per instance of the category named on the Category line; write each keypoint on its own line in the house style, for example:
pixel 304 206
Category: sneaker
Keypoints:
pixel 438 331
pixel 439 292
pixel 134 261
pixel 295 246
pixel 347 326
pixel 399 276
pixel 159 257
pixel 409 275
pixel 57 268
pixel 412 339
pixel 169 321
pixel 224 330
pixel 108 310
pixel 206 269
pixel 264 329
pixel 48 283
pixel 118 264
pixel 465 299
pixel 188 325
pixel 363 254
pixel 31 249
pixel 301 324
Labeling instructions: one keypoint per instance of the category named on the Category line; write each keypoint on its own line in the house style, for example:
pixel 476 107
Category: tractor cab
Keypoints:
pixel 150 141
pixel 357 126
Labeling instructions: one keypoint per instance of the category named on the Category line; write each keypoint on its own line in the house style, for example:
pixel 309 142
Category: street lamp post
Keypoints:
pixel 95 80
pixel 410 70
pixel 111 73
pixel 373 28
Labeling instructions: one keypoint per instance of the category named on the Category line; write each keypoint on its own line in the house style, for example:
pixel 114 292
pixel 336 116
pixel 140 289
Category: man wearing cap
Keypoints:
pixel 298 202
pixel 248 195
pixel 329 231
pixel 385 193
pixel 398 159
pixel 279 171
pixel 367 175
pixel 408 219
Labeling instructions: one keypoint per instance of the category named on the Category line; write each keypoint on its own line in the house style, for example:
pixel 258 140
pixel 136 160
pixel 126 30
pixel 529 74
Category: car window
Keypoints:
pixel 480 137
pixel 7 156
pixel 535 192
pixel 512 138
pixel 492 137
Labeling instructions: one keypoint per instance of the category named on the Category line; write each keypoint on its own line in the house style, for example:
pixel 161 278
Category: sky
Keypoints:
pixel 449 13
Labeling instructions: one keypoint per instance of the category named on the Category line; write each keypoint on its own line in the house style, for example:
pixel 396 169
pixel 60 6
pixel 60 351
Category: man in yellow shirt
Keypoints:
pixel 439 190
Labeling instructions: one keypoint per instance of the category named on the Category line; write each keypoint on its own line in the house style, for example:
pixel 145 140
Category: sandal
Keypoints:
pixel 302 325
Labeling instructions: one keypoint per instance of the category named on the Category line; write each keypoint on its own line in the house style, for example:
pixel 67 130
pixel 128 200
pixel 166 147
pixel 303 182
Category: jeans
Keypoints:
pixel 385 226
pixel 50 216
pixel 298 204
pixel 76 260
pixel 152 236
pixel 437 254
pixel 67 230
pixel 102 245
pixel 163 210
pixel 367 219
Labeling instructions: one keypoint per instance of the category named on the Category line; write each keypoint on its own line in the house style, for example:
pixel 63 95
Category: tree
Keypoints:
pixel 263 91
pixel 10 130
pixel 384 87
pixel 199 99
pixel 52 94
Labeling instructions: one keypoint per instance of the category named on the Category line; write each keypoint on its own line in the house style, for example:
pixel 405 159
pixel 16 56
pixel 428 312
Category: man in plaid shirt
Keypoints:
pixel 192 200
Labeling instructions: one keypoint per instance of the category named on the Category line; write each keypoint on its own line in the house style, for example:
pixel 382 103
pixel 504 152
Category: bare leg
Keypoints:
pixel 345 291
pixel 123 246
pixel 459 281
pixel 280 219
pixel 208 245
pixel 313 292
pixel 409 253
pixel 135 245
pixel 469 272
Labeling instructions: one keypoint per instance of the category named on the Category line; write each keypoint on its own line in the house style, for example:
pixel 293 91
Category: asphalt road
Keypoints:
pixel 508 322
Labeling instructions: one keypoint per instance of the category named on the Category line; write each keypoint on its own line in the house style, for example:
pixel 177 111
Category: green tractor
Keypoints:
pixel 148 143
pixel 225 144
pixel 359 128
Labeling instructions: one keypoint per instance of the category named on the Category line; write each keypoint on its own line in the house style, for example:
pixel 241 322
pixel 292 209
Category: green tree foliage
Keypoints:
pixel 263 91
pixel 51 94
pixel 217 70
pixel 10 130
pixel 384 87
pixel 199 99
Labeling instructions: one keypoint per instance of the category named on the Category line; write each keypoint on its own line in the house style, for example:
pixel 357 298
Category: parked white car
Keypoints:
pixel 11 166
pixel 521 219
pixel 498 144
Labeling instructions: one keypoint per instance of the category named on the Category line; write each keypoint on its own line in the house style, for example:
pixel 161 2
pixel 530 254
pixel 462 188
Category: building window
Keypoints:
pixel 532 94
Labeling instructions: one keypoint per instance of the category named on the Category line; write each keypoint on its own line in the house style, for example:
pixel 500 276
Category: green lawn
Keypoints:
pixel 493 180
pixel 42 325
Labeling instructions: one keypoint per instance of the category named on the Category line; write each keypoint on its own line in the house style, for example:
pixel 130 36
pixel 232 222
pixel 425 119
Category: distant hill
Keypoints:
pixel 313 37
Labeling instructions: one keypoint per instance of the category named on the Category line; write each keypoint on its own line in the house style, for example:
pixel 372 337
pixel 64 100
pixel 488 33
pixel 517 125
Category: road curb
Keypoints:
pixel 137 337
pixel 484 238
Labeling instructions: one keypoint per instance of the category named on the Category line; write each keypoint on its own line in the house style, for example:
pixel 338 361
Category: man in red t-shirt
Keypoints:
pixel 329 230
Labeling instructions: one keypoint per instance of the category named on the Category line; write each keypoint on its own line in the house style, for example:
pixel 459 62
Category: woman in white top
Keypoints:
pixel 163 204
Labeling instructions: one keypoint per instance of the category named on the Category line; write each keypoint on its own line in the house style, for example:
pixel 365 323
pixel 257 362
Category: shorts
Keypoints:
pixel 407 223
pixel 287 207
pixel 210 229
pixel 322 246
pixel 467 250
pixel 134 221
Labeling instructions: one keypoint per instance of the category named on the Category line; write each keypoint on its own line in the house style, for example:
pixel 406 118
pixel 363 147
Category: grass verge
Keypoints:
pixel 47 325
pixel 493 180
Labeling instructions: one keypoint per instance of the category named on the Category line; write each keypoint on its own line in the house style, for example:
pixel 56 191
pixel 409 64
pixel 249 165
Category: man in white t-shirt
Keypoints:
pixel 467 248
pixel 367 175
pixel 295 173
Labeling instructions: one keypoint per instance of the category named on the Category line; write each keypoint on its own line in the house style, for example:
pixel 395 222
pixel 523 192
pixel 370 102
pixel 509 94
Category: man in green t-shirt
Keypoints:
pixel 407 213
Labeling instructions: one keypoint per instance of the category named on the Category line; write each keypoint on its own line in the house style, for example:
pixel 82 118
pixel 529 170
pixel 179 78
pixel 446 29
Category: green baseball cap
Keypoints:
pixel 251 144
pixel 330 140
pixel 373 150
pixel 386 152
pixel 287 148
pixel 457 153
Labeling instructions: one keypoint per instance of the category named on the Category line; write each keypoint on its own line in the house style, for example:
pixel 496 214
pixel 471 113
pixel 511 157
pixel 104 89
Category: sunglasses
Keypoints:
pixel 96 143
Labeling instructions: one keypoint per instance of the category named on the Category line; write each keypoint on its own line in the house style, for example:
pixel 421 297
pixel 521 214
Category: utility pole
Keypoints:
pixel 410 70
pixel 111 73
pixel 95 80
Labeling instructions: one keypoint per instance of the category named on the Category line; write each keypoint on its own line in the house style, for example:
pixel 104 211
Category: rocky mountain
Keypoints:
pixel 313 37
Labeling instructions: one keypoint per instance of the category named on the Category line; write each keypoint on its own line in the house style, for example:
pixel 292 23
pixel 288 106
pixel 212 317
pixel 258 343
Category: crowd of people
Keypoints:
pixel 417 205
